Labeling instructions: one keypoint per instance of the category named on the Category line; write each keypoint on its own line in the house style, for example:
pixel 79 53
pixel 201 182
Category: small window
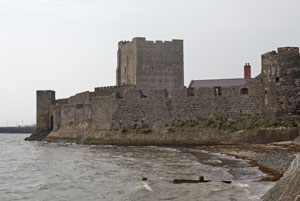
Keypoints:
pixel 118 95
pixel 218 91
pixel 190 92
pixel 142 95
pixel 166 93
pixel 79 106
pixel 277 79
pixel 244 91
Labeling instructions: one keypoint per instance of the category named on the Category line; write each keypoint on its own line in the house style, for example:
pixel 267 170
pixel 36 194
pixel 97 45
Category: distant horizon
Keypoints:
pixel 71 46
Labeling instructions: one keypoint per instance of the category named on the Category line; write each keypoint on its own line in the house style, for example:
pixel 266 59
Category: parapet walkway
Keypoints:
pixel 288 187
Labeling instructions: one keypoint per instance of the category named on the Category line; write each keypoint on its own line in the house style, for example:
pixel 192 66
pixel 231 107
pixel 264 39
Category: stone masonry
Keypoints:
pixel 150 91
pixel 150 65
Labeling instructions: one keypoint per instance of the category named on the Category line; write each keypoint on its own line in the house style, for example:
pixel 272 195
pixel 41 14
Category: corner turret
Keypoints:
pixel 281 81
pixel 45 102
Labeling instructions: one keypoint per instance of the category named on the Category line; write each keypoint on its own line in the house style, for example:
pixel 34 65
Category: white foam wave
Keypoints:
pixel 146 186
pixel 242 185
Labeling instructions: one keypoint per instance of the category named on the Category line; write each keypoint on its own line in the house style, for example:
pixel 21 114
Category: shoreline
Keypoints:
pixel 272 159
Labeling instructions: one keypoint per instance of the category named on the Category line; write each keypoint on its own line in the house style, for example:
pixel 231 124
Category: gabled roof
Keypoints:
pixel 218 83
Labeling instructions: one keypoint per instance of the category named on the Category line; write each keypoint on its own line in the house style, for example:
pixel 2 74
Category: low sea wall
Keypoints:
pixel 206 136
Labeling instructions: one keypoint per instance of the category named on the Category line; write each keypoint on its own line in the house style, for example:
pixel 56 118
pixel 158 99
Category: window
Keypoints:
pixel 244 91
pixel 277 73
pixel 141 94
pixel 118 95
pixel 218 91
pixel 190 92
pixel 79 106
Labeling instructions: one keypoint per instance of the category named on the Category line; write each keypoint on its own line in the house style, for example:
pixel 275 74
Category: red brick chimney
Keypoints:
pixel 247 71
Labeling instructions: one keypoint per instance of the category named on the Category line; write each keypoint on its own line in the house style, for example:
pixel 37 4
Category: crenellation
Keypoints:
pixel 288 50
pixel 115 87
pixel 269 54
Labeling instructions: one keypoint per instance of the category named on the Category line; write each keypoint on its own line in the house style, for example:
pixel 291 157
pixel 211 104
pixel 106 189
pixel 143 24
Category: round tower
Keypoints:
pixel 281 81
pixel 45 102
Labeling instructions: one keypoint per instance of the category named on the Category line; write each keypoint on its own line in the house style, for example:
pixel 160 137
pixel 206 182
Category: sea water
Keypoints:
pixel 37 171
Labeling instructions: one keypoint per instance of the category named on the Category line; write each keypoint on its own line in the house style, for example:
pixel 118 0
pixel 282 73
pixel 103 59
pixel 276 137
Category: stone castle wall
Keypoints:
pixel 157 108
pixel 276 91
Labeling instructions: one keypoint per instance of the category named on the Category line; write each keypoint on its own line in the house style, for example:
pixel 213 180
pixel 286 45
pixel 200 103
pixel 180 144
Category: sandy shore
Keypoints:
pixel 273 158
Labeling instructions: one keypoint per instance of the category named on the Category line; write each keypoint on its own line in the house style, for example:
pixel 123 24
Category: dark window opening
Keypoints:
pixel 51 123
pixel 190 92
pixel 166 93
pixel 244 91
pixel 142 95
pixel 266 91
pixel 79 106
pixel 277 79
pixel 218 91
pixel 118 95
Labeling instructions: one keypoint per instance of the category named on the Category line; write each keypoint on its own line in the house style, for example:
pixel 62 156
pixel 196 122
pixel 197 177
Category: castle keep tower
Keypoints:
pixel 45 102
pixel 150 65
pixel 281 81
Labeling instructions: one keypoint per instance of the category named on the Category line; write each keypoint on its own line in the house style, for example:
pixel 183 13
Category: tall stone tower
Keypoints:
pixel 150 65
pixel 281 81
pixel 45 102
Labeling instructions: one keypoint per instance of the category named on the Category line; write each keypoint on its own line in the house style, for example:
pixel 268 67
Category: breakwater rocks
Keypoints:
pixel 271 158
pixel 287 188
pixel 38 135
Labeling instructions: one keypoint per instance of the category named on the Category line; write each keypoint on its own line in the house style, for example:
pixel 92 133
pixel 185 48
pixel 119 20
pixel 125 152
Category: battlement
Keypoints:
pixel 114 87
pixel 269 54
pixel 282 51
pixel 288 50
pixel 142 40
pixel 44 91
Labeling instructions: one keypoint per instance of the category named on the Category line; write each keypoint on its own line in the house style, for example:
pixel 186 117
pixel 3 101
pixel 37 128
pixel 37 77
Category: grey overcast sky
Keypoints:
pixel 70 45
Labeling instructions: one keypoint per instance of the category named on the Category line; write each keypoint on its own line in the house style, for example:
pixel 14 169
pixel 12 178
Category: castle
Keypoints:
pixel 150 91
